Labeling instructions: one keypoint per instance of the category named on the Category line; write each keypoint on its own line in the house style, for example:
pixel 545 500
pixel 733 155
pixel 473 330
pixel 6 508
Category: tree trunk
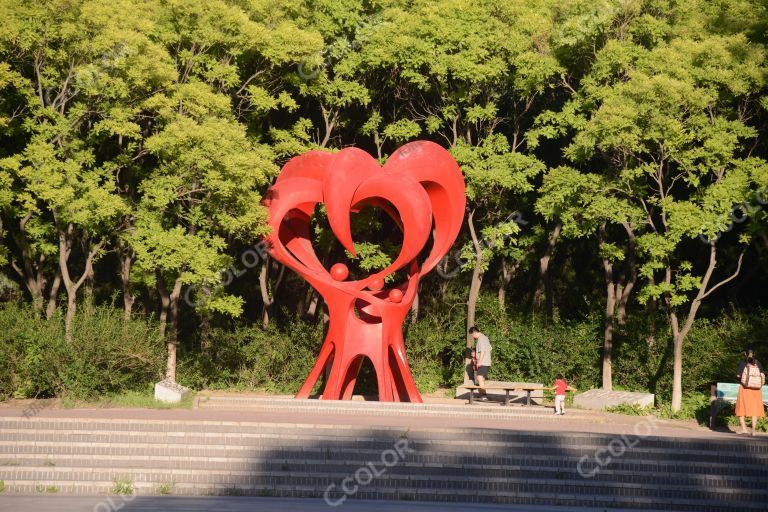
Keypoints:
pixel 415 309
pixel 31 272
pixel 442 286
pixel 70 285
pixel 629 284
pixel 608 315
pixel 677 373
pixel 314 302
pixel 173 324
pixel 304 296
pixel 165 302
pixel 543 294
pixel 70 315
pixel 474 286
pixel 53 295
pixel 679 333
pixel 507 272
pixel 477 276
pixel 315 299
pixel 169 320
pixel 268 300
pixel 608 319
pixel 126 262
pixel 677 366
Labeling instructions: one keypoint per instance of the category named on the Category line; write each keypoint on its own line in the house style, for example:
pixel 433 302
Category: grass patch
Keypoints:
pixel 2 485
pixel 726 417
pixel 695 406
pixel 129 399
pixel 51 489
pixel 165 489
pixel 632 410
pixel 123 486
pixel 143 400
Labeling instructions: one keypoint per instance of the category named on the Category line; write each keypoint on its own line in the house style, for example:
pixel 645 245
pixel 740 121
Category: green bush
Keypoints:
pixel 110 355
pixel 526 349
pixel 711 352
pixel 694 406
pixel 435 352
pixel 249 357
pixel 107 354
pixel 523 348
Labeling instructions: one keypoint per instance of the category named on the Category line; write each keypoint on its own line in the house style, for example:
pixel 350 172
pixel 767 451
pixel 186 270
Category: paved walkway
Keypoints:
pixel 242 504
pixel 454 416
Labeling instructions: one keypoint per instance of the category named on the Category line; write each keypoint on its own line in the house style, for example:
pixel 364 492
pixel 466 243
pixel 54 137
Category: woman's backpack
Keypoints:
pixel 752 378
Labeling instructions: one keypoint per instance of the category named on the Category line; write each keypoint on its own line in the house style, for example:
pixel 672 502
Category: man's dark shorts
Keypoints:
pixel 482 371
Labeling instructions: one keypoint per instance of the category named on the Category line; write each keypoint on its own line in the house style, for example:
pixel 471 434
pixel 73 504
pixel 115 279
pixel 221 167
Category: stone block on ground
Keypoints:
pixel 599 399
pixel 169 391
pixel 517 396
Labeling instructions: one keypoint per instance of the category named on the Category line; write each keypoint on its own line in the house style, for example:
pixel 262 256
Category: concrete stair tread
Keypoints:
pixel 638 468
pixel 325 430
pixel 486 479
pixel 195 440
pixel 646 456
pixel 534 500
pixel 320 465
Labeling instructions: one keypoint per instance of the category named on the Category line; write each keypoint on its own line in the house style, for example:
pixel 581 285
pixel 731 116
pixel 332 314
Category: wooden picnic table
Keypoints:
pixel 507 389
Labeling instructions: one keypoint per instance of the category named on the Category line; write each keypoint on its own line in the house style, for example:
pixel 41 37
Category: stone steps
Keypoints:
pixel 648 457
pixel 533 471
pixel 474 479
pixel 457 409
pixel 87 456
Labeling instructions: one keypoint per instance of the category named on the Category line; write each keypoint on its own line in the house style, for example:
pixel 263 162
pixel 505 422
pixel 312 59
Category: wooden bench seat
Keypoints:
pixel 507 389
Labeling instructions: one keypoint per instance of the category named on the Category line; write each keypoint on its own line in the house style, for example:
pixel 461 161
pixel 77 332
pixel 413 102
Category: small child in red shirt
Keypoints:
pixel 560 387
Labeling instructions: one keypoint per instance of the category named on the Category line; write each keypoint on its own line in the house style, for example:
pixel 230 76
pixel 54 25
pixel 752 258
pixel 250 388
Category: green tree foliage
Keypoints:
pixel 669 116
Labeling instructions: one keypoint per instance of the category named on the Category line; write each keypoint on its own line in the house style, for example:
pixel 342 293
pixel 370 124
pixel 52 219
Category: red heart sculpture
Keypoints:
pixel 421 187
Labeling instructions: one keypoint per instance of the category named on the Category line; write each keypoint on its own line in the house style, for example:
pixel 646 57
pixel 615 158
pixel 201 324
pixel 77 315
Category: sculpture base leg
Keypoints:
pixel 394 380
pixel 360 330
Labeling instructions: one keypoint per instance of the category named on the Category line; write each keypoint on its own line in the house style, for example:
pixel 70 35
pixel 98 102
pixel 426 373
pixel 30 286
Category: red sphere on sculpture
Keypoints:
pixel 339 272
pixel 395 295
pixel 377 284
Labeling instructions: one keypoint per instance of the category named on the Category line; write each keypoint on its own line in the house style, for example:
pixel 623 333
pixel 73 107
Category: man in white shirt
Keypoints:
pixel 483 349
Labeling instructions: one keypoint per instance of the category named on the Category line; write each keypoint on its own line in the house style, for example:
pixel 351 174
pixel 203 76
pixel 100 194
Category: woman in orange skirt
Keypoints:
pixel 749 401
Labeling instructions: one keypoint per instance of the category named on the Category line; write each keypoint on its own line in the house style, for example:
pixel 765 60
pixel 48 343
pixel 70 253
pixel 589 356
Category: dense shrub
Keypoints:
pixel 248 357
pixel 643 354
pixel 107 354
pixel 525 349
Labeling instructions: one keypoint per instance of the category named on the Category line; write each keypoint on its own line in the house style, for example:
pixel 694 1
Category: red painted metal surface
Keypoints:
pixel 422 189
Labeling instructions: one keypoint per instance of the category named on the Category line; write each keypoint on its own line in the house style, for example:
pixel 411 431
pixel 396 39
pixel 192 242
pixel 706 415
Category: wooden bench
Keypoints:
pixel 721 393
pixel 507 389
